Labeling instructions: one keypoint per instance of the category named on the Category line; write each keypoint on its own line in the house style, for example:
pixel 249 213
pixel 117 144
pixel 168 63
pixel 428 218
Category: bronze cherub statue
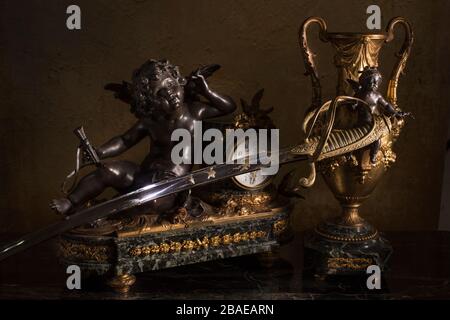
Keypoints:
pixel 366 89
pixel 162 100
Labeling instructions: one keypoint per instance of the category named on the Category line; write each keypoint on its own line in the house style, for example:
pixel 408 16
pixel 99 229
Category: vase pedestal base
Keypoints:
pixel 330 253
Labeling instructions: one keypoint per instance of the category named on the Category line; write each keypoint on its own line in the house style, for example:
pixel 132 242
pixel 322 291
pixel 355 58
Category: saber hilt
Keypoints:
pixel 84 150
pixel 87 146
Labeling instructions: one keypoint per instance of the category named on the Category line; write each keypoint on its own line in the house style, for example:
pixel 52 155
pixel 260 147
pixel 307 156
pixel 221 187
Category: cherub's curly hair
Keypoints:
pixel 369 72
pixel 142 93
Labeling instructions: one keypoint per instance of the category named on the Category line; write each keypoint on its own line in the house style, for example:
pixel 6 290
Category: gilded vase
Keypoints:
pixel 352 176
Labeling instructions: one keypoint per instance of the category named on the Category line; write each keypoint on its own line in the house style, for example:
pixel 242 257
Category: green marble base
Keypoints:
pixel 325 257
pixel 121 255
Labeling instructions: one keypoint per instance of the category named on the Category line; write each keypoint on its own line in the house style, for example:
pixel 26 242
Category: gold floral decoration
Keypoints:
pixel 196 244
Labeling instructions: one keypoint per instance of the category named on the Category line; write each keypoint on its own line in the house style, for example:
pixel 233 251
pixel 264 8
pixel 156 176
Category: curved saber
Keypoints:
pixel 137 198
pixel 133 200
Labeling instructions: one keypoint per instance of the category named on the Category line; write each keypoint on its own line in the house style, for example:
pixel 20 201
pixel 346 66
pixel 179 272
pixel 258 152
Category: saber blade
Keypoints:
pixel 141 196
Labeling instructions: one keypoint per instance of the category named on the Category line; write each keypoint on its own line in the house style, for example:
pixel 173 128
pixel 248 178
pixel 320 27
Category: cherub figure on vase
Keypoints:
pixel 366 89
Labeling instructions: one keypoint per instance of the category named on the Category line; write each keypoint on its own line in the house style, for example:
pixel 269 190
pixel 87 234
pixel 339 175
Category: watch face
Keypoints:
pixel 253 180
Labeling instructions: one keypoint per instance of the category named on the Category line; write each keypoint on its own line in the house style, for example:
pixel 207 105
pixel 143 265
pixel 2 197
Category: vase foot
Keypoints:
pixel 350 255
pixel 341 229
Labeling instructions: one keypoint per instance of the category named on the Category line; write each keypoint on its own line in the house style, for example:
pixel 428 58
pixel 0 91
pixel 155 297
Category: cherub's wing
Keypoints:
pixel 122 91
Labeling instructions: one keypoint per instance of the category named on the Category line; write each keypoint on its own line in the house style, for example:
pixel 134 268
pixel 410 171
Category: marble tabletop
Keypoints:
pixel 420 269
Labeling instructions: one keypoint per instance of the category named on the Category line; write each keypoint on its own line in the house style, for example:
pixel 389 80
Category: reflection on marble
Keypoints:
pixel 419 269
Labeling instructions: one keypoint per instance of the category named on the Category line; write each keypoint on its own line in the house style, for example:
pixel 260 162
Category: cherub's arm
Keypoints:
pixel 120 144
pixel 216 105
pixel 388 109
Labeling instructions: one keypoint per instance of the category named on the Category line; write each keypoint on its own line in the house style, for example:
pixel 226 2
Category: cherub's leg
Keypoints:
pixel 116 174
pixel 374 147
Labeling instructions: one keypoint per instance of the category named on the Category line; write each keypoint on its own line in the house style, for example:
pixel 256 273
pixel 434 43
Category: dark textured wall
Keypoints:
pixel 51 80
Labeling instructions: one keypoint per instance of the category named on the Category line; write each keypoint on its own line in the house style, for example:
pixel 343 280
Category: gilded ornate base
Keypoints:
pixel 121 283
pixel 333 249
pixel 229 201
pixel 127 252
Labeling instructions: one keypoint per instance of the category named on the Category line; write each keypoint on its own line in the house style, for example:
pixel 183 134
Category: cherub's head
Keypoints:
pixel 370 78
pixel 157 86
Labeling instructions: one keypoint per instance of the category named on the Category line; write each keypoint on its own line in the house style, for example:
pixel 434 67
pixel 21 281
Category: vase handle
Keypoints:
pixel 402 55
pixel 308 56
